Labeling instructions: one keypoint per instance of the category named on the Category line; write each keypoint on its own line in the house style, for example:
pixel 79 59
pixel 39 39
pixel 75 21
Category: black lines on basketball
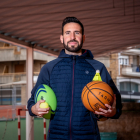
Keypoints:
pixel 103 90
pixel 96 97
pixel 94 83
pixel 89 102
pixel 85 91
pixel 89 87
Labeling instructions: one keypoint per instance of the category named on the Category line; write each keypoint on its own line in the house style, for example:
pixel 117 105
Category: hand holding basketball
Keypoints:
pixel 39 111
pixel 110 112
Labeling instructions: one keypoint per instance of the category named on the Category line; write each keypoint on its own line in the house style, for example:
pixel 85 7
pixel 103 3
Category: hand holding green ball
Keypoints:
pixel 44 92
pixel 44 105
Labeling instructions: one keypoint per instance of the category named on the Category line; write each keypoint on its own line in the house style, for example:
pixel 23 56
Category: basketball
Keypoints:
pixel 96 94
pixel 44 92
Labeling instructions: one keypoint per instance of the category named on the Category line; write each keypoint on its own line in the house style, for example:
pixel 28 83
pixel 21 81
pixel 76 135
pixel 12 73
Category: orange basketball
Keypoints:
pixel 96 94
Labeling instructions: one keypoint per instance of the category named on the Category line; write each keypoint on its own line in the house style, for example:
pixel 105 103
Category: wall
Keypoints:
pixel 127 126
pixel 113 66
pixel 111 63
pixel 9 54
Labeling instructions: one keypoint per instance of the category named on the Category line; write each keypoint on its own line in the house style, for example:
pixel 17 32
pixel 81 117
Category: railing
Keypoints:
pixel 135 68
pixel 130 96
pixel 131 70
pixel 14 77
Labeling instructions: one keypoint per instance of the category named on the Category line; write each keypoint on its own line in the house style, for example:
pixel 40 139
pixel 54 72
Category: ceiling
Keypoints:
pixel 110 25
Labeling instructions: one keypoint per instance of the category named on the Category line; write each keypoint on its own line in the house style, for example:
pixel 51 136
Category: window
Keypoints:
pixel 128 86
pixel 105 60
pixel 124 60
pixel 6 69
pixel 6 96
pixel 19 68
pixel 134 87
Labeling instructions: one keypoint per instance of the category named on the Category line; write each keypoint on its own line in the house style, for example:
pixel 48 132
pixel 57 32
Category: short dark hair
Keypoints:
pixel 72 19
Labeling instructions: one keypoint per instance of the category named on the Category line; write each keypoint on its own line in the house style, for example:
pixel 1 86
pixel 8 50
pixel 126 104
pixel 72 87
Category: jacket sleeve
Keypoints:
pixel 43 78
pixel 107 78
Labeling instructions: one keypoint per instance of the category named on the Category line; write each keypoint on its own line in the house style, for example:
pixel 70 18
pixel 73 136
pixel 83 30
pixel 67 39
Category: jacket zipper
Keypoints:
pixel 72 95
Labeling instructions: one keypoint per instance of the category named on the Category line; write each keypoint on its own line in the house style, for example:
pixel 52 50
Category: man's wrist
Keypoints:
pixel 31 112
pixel 32 109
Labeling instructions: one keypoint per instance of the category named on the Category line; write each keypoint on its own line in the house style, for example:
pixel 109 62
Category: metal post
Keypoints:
pixel 19 131
pixel 1 96
pixel 44 123
pixel 29 86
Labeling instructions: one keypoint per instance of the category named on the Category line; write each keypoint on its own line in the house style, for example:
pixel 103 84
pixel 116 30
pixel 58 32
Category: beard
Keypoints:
pixel 73 48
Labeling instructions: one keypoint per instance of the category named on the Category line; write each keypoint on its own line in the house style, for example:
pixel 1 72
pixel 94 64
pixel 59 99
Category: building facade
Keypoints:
pixel 13 72
pixel 124 68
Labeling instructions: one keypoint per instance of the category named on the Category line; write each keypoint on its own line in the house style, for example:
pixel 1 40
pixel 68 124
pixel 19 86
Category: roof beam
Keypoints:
pixel 16 42
pixel 43 50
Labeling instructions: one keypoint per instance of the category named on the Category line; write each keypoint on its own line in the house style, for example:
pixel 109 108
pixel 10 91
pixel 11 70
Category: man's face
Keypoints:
pixel 72 37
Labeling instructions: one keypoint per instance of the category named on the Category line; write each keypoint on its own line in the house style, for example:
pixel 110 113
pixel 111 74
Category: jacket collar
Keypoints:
pixel 86 54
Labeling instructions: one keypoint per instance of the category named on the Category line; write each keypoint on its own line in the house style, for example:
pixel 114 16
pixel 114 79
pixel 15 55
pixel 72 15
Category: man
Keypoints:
pixel 67 75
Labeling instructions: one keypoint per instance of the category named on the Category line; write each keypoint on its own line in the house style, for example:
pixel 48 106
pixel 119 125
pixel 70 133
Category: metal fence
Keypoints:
pixel 128 87
pixel 10 96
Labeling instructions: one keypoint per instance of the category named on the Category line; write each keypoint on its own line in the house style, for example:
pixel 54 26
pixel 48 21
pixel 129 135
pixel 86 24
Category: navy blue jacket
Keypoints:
pixel 67 75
